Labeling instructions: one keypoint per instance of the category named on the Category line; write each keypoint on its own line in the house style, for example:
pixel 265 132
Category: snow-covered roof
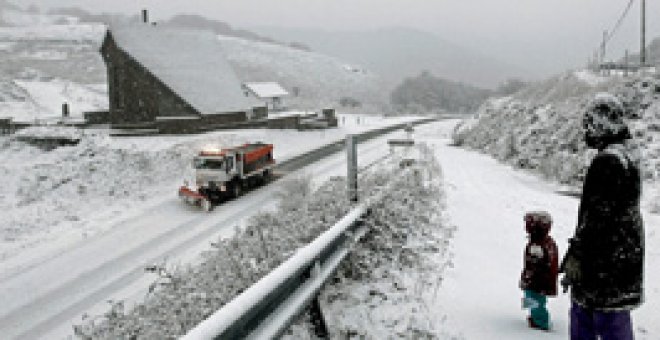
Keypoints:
pixel 189 62
pixel 267 89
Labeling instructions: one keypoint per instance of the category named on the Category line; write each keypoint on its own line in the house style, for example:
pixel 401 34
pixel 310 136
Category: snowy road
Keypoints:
pixel 486 201
pixel 45 298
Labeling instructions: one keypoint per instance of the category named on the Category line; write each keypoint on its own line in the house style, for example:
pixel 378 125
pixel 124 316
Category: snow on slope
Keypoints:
pixel 19 25
pixel 48 60
pixel 62 32
pixel 36 100
pixel 322 80
pixel 54 48
pixel 48 97
pixel 540 127
pixel 14 17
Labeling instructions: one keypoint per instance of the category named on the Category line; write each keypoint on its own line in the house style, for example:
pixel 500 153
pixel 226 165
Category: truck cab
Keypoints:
pixel 214 171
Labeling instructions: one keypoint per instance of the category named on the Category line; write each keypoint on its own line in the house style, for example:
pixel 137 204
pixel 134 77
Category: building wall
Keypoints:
pixel 259 112
pixel 330 116
pixel 5 126
pixel 201 124
pixel 97 117
pixel 278 104
pixel 290 122
pixel 136 96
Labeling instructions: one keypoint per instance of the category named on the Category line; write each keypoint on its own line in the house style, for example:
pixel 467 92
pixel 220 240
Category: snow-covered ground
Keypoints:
pixel 478 296
pixel 486 201
pixel 108 264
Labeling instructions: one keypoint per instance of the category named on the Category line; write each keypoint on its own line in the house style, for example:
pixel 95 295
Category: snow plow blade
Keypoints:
pixel 188 195
pixel 195 198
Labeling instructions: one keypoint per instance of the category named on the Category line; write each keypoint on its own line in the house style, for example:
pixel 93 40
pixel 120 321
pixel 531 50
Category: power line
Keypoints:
pixel 618 23
pixel 607 35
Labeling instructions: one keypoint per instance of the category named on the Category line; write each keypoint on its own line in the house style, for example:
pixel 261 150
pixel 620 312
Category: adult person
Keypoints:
pixel 605 260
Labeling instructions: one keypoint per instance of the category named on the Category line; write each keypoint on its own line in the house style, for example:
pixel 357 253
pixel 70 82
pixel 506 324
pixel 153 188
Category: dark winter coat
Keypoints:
pixel 541 267
pixel 608 245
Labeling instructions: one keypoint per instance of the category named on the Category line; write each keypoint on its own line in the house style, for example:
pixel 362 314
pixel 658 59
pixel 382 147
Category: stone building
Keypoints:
pixel 173 80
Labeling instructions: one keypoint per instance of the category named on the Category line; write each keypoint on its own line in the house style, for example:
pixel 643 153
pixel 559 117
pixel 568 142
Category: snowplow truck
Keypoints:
pixel 224 174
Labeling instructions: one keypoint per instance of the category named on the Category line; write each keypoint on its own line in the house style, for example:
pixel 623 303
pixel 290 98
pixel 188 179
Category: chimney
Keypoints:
pixel 145 16
pixel 65 110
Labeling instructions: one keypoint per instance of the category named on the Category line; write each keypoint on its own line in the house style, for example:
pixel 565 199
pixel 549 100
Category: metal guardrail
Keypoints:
pixel 301 160
pixel 267 308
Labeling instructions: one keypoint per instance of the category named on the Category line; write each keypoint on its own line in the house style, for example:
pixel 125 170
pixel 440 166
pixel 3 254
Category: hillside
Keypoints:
pixel 322 81
pixel 397 53
pixel 49 59
pixel 428 93
pixel 539 128
pixel 190 21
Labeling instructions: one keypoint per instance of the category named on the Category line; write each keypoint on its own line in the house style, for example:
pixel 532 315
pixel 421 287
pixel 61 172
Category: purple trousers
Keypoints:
pixel 597 325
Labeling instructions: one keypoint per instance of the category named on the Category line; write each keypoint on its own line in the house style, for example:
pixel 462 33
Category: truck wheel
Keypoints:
pixel 207 205
pixel 236 189
pixel 266 177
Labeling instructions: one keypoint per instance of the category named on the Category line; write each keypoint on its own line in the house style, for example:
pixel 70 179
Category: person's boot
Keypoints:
pixel 533 325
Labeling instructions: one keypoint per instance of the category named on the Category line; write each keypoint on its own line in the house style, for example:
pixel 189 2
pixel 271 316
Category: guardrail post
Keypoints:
pixel 318 321
pixel 315 313
pixel 351 178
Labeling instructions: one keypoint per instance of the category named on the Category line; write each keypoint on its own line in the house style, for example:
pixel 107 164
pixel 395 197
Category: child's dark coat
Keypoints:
pixel 541 267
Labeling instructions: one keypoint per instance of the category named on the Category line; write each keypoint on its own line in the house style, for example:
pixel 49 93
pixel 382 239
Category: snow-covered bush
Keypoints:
pixel 381 291
pixel 540 128
pixel 184 296
pixel 299 187
pixel 535 132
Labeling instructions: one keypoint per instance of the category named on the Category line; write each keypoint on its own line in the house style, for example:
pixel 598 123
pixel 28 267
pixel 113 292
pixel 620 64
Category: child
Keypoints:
pixel 540 272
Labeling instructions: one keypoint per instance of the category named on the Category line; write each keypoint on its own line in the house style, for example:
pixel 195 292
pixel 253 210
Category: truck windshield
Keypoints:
pixel 203 163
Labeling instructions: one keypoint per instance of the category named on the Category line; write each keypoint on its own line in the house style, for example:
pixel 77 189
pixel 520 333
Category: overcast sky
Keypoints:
pixel 549 35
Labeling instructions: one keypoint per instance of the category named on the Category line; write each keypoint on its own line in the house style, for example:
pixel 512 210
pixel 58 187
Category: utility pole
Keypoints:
pixel 625 69
pixel 642 50
pixel 603 47
pixel 351 157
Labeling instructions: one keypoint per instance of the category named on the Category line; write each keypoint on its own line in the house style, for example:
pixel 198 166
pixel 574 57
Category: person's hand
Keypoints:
pixel 572 272
pixel 565 283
